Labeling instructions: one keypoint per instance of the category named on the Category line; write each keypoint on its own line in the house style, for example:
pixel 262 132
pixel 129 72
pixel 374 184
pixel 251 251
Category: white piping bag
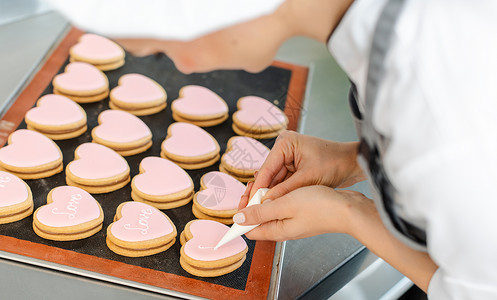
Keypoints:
pixel 238 230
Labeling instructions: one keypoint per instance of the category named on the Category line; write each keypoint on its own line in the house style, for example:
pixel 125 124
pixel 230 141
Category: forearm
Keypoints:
pixel 368 229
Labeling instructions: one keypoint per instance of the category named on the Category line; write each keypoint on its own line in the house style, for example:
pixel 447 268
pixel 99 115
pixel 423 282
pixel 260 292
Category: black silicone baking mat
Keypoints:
pixel 272 84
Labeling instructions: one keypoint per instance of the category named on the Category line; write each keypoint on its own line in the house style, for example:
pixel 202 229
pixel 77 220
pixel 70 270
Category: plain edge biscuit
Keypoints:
pixel 35 175
pixel 203 216
pixel 55 129
pixel 240 178
pixel 248 127
pixel 139 105
pixel 225 213
pixel 140 112
pixel 163 205
pixel 4 219
pixel 214 272
pixel 259 136
pixel 193 166
pixel 61 136
pixel 213 263
pixel 137 253
pixel 130 151
pixel 113 65
pixel 142 245
pixel 84 99
pixel 67 237
pixel 196 117
pixel 102 189
pixel 200 123
pixel 74 56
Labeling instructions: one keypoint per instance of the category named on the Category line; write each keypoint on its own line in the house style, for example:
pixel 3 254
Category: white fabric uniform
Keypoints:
pixel 438 106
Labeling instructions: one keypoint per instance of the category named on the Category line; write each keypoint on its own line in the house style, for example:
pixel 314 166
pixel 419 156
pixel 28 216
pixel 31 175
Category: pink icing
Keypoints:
pixel 199 101
pixel 55 110
pixel 246 153
pixel 12 190
pixel 188 140
pixel 206 234
pixel 121 127
pixel 137 88
pixel 222 192
pixel 257 111
pixel 140 222
pixel 80 76
pixel 161 177
pixel 97 162
pixel 29 149
pixel 71 206
pixel 95 47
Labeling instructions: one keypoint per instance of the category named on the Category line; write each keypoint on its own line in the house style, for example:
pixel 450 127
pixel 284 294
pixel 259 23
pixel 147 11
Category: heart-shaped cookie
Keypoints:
pixel 121 127
pixel 137 91
pixel 96 49
pixel 199 102
pixel 244 155
pixel 205 235
pixel 219 191
pixel 161 177
pixel 12 190
pixel 186 141
pixel 97 164
pixel 69 206
pixel 56 111
pixel 81 79
pixel 29 151
pixel 138 222
pixel 256 114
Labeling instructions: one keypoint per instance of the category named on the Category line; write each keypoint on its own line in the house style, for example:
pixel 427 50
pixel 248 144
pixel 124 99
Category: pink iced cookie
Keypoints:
pixel 97 169
pixel 244 156
pixel 139 230
pixel 31 155
pixel 190 146
pixel 160 177
pixel 96 49
pixel 81 79
pixel 70 214
pixel 16 200
pixel 219 192
pixel 123 132
pixel 198 256
pixel 137 91
pixel 57 117
pixel 200 106
pixel 257 114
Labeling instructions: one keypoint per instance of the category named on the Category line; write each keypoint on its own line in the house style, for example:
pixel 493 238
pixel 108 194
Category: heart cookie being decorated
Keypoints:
pixel 243 156
pixel 200 106
pixel 189 146
pixel 123 132
pixel 218 197
pixel 198 256
pixel 162 184
pixel 258 118
pixel 57 117
pixel 140 230
pixel 30 155
pixel 97 169
pixel 138 94
pixel 70 214
pixel 82 83
pixel 16 200
pixel 98 51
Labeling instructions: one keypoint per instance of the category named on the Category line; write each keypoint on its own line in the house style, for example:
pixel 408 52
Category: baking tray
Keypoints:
pixel 282 83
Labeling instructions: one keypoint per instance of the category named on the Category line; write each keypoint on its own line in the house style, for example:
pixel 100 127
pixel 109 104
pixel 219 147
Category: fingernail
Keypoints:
pixel 255 174
pixel 239 218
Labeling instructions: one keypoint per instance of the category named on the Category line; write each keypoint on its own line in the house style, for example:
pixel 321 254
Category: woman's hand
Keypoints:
pixel 298 160
pixel 301 213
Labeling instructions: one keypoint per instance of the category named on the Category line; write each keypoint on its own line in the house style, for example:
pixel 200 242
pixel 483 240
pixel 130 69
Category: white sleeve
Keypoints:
pixel 160 19
pixel 438 106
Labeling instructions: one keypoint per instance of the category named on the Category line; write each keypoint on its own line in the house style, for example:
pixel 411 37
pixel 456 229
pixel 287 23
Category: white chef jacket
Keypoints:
pixel 437 105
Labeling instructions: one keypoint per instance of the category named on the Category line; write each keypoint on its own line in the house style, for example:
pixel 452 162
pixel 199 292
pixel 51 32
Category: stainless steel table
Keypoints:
pixel 313 268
